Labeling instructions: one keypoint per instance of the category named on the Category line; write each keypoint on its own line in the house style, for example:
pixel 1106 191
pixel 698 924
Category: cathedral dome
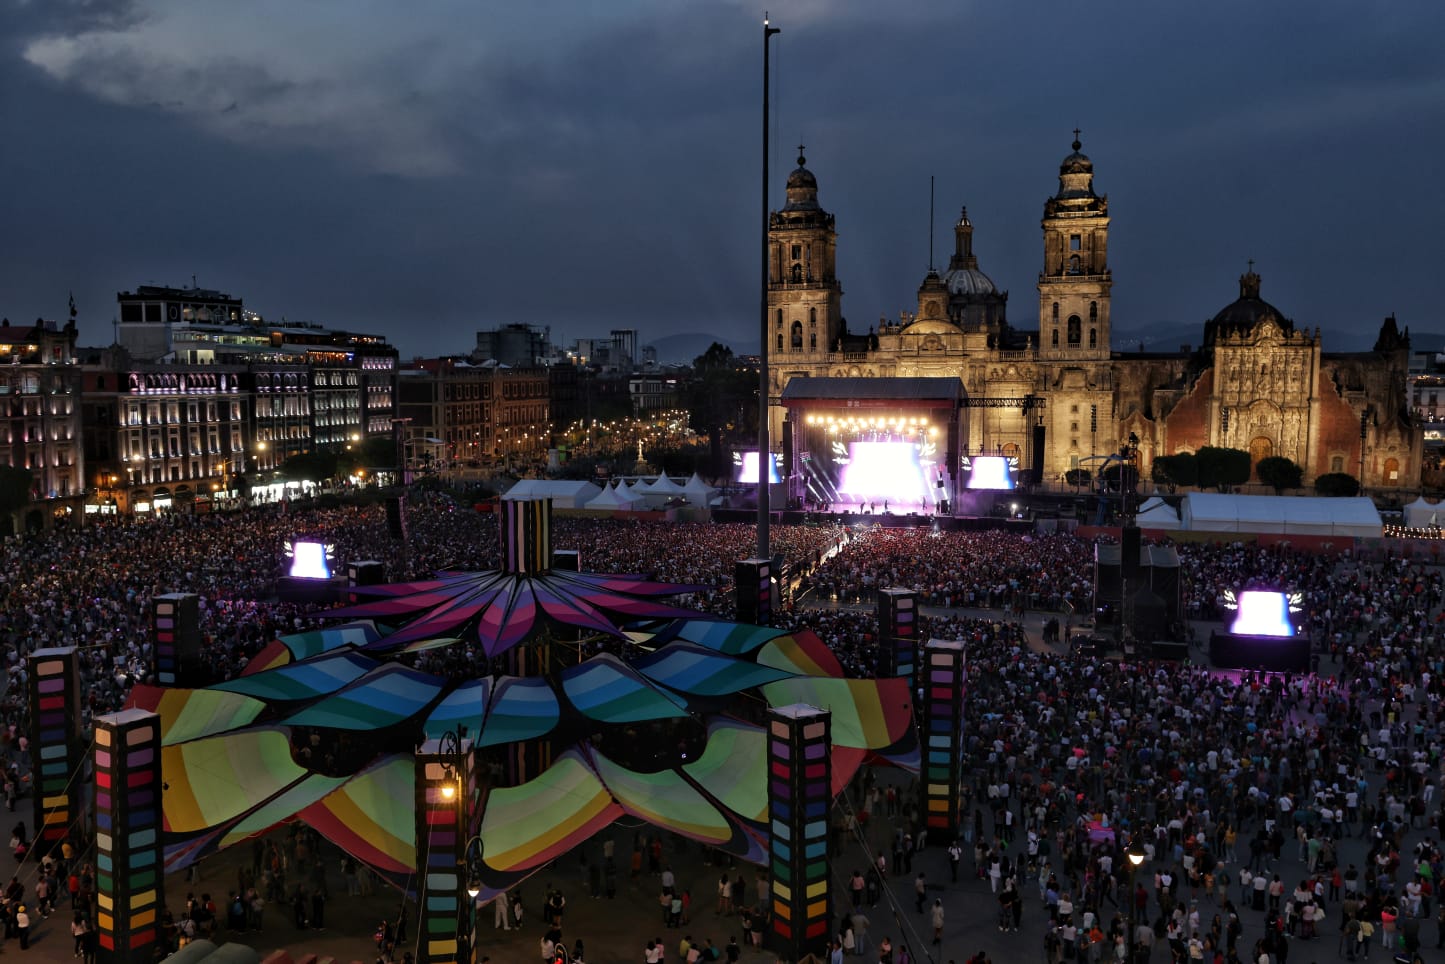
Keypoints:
pixel 802 187
pixel 1244 314
pixel 1077 162
pixel 969 281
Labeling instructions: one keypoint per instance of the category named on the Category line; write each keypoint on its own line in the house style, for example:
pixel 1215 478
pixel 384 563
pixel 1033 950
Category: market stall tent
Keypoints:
pixel 1217 512
pixel 564 493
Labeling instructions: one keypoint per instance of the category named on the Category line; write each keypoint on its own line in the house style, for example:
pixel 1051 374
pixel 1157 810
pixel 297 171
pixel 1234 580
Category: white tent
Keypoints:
pixel 698 492
pixel 608 498
pixel 564 493
pixel 1157 514
pixel 1217 512
pixel 633 496
pixel 1422 515
pixel 659 491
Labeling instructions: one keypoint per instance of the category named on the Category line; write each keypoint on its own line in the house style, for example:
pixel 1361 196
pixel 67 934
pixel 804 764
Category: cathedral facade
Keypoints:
pixel 1055 392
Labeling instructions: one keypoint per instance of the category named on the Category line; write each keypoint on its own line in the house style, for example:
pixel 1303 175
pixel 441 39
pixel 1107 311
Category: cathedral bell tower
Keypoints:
pixel 1075 281
pixel 805 317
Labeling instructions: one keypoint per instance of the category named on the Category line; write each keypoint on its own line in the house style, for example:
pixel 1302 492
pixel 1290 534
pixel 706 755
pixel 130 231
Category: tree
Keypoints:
pixel 16 486
pixel 721 400
pixel 1337 484
pixel 1182 468
pixel 1078 477
pixel 1279 472
pixel 1221 467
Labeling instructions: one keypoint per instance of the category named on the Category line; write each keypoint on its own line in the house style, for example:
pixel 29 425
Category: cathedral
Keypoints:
pixel 1054 393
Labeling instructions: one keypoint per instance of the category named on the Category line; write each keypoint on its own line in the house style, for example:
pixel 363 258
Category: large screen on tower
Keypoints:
pixel 990 472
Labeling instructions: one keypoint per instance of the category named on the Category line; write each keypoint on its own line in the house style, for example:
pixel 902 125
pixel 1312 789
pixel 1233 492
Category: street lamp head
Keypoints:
pixel 1135 856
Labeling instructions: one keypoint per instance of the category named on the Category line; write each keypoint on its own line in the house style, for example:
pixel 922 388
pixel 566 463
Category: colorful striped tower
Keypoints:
pixel 800 774
pixel 754 581
pixel 176 623
pixel 526 536
pixel 448 815
pixel 897 634
pixel 943 687
pixel 129 860
pixel 55 747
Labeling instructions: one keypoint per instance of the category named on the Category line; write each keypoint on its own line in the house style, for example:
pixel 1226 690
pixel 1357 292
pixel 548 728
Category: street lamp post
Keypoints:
pixel 763 381
pixel 1136 857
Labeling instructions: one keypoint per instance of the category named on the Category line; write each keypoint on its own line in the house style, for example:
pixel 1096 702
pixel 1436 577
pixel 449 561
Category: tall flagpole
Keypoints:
pixel 765 463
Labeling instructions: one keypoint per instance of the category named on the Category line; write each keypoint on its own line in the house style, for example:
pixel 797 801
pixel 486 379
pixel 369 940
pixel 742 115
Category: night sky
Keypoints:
pixel 425 170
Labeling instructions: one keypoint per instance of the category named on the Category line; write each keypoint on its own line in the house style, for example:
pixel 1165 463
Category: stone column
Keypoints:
pixel 130 861
pixel 800 792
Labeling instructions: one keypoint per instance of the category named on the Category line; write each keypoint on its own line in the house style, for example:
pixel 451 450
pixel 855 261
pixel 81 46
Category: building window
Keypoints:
pixel 780 341
pixel 1076 328
pixel 1337 463
pixel 1056 312
pixel 812 317
pixel 813 340
pixel 1056 338
pixel 1093 312
pixel 797 274
pixel 1075 265
pixel 797 335
pixel 780 319
pixel 1075 242
pixel 797 251
pixel 1093 338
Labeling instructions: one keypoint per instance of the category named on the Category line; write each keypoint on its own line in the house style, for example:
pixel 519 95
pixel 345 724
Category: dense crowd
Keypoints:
pixel 1267 808
pixel 988 569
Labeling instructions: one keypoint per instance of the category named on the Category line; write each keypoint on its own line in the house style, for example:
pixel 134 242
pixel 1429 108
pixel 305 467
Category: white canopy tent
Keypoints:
pixel 564 493
pixel 1217 512
pixel 610 498
pixel 698 492
pixel 659 491
pixel 1157 514
pixel 1424 515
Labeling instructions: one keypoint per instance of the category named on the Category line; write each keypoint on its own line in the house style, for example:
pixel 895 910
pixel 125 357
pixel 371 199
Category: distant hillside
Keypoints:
pixel 682 348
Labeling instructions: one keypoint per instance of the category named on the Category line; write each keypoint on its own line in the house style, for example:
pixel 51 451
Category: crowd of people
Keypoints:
pixel 1267 809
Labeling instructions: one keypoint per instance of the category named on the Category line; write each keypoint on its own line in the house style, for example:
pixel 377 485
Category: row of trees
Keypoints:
pixel 1214 467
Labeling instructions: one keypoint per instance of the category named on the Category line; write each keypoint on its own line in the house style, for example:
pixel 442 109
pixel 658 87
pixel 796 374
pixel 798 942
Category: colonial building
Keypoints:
pixel 40 404
pixel 1055 393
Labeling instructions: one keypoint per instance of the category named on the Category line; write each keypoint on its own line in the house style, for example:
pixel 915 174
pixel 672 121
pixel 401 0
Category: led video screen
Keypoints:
pixel 308 561
pixel 883 472
pixel 748 470
pixel 1262 613
pixel 990 472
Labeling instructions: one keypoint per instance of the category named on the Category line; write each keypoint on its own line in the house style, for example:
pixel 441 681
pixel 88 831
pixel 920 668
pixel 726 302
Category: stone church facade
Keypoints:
pixel 1257 382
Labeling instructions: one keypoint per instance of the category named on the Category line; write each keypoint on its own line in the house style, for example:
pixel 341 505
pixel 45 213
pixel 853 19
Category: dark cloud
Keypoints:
pixel 598 167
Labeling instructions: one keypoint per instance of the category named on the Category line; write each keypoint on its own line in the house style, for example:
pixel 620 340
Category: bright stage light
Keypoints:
pixel 1262 613
pixel 990 472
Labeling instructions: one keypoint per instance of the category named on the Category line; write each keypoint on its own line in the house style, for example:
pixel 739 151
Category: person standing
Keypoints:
pixel 22 927
pixel 955 855
pixel 938 922
pixel 920 892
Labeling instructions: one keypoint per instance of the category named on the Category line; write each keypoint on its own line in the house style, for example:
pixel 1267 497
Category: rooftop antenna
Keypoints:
pixel 930 222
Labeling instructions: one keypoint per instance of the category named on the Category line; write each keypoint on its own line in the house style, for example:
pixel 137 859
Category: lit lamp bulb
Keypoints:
pixel 474 888
pixel 448 791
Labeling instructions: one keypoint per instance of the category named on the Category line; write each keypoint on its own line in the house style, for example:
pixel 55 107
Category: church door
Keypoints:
pixel 1260 448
